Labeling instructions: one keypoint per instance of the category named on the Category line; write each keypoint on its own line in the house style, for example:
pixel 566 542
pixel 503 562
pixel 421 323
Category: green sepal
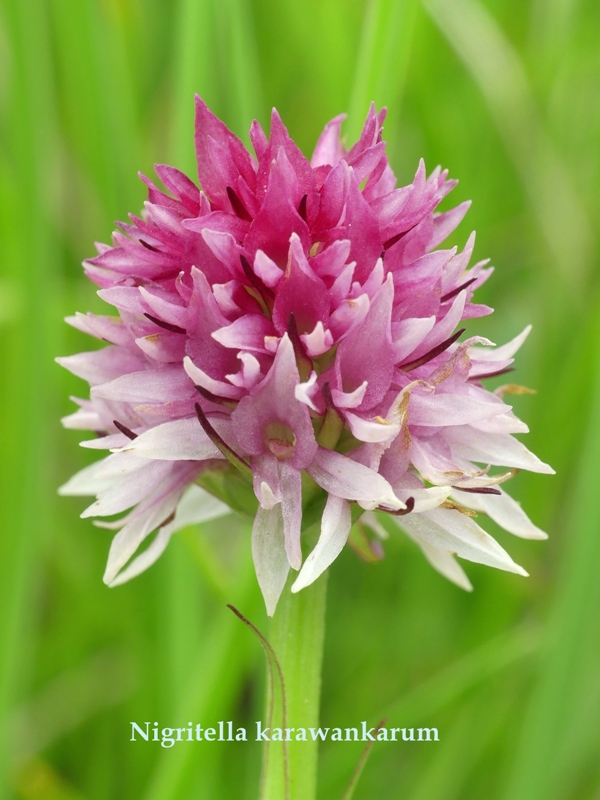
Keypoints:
pixel 228 484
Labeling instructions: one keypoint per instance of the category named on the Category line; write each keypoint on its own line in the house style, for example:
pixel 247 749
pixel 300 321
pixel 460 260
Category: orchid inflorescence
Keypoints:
pixel 286 346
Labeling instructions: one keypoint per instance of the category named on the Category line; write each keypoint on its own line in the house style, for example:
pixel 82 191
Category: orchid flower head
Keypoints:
pixel 295 325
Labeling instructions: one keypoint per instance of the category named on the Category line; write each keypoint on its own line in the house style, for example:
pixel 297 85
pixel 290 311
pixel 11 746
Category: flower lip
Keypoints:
pixel 280 439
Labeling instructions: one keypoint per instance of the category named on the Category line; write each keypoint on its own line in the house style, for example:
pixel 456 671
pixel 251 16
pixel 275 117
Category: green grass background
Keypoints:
pixel 505 95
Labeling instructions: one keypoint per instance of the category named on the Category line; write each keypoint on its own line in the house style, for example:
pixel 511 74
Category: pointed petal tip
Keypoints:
pixel 110 578
pixel 303 581
pixel 538 536
pixel 271 605
pixel 89 512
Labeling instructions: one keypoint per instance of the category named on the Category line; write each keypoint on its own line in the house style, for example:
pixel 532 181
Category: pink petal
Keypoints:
pixel 158 385
pixel 345 478
pixel 440 410
pixel 328 149
pixel 291 510
pixel 274 401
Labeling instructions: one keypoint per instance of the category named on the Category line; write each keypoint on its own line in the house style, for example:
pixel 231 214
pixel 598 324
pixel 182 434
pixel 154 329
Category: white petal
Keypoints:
pixel 179 440
pixel 344 477
pixel 195 506
pixel 335 528
pixel 500 353
pixel 460 535
pixel 350 399
pixel 117 465
pixel 270 559
pixel 483 480
pixel 266 269
pixel 130 537
pixel 444 563
pixel 369 430
pixel 100 366
pixel 130 490
pixel 425 498
pixel 304 391
pixel 86 482
pixel 110 442
pixel 249 375
pixel 266 497
pixel 500 449
pixel 317 342
pixel 82 420
pixel 503 510
pixel 140 564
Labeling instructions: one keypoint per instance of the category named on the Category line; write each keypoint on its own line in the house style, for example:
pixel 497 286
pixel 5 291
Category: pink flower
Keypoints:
pixel 286 338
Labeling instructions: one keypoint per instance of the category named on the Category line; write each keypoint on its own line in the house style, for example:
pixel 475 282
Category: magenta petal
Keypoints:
pixel 368 353
pixel 364 164
pixel 205 317
pixel 444 224
pixel 280 140
pixel 277 219
pixel 221 156
pixel 300 293
pixel 180 186
pixel 329 149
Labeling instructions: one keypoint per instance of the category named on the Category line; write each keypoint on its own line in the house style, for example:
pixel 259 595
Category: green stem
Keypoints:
pixel 296 634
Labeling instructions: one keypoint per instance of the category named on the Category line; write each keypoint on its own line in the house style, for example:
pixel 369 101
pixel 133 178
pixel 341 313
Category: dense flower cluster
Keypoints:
pixel 286 339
